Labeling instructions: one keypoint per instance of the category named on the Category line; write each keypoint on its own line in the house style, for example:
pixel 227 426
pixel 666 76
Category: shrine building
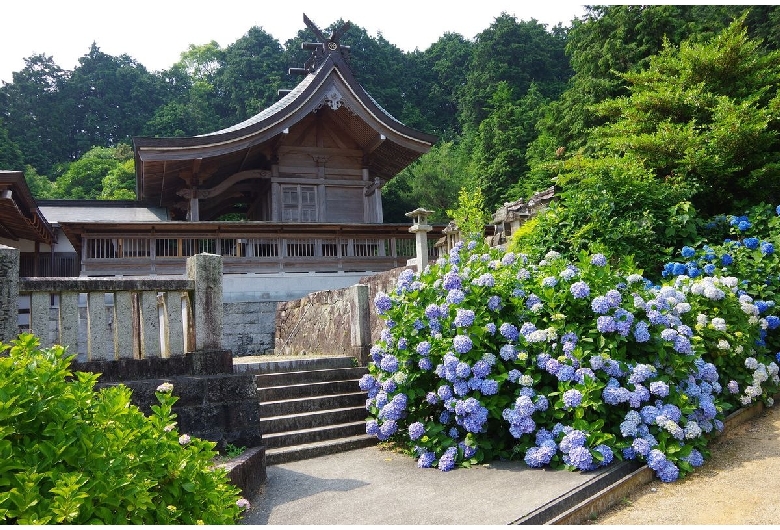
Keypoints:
pixel 306 174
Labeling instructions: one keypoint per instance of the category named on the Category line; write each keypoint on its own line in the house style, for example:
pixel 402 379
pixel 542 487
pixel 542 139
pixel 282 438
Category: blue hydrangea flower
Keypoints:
pixel 767 248
pixel 455 296
pixel 490 328
pixel 726 259
pixel 549 281
pixel 372 427
pixel 508 352
pixel 509 331
pixel 481 368
pixel 572 398
pixel 580 458
pixel 606 324
pixel 539 456
pixel 387 429
pixel 574 438
pixel 485 280
pixel 599 260
pixel 600 305
pixel 367 382
pixel 382 302
pixel 464 318
pixel 462 344
pixel 433 311
pixel 416 430
pixel 687 252
pixel 695 458
pixel 489 387
pixel 751 243
pixel 452 281
pixel 389 363
pixel 659 388
pixel 494 303
pixel 425 364
pixel 426 459
pixel 669 472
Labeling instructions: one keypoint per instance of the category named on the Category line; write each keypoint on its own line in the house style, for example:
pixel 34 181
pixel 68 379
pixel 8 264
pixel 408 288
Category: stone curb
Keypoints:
pixel 583 504
pixel 247 470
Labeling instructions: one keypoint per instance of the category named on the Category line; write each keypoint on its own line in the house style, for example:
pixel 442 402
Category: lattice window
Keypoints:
pixel 299 204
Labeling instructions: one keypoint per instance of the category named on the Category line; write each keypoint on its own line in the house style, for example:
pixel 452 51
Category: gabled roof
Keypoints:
pixel 388 145
pixel 20 217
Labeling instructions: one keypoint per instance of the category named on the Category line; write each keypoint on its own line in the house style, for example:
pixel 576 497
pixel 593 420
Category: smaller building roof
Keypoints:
pixel 65 211
pixel 20 217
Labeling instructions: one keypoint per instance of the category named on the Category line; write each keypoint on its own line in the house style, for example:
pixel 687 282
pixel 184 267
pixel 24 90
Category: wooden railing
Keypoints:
pixel 247 247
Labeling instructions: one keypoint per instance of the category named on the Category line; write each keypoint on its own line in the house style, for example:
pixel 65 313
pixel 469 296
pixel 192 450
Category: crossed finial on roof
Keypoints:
pixel 323 48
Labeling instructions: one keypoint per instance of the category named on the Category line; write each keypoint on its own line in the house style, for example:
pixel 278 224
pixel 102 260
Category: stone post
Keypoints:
pixel 9 293
pixel 206 271
pixel 420 228
pixel 360 327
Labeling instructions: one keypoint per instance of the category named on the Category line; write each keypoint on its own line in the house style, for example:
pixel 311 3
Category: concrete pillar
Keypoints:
pixel 206 271
pixel 9 293
pixel 420 228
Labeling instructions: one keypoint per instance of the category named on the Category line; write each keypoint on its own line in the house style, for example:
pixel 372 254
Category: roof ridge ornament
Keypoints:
pixel 325 47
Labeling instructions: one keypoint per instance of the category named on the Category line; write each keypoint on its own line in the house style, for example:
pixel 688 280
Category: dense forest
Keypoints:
pixel 644 117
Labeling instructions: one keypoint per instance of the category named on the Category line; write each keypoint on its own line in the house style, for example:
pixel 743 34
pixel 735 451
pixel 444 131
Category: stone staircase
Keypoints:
pixel 308 406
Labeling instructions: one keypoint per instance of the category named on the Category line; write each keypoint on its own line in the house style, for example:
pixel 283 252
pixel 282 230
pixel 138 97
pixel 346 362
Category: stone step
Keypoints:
pixel 276 393
pixel 266 364
pixel 311 404
pixel 311 420
pixel 314 435
pixel 308 376
pixel 281 455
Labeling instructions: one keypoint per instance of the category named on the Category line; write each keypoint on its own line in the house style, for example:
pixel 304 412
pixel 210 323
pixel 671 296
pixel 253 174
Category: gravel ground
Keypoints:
pixel 737 485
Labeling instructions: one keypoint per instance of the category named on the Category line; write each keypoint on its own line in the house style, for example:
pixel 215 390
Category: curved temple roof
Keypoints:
pixel 166 165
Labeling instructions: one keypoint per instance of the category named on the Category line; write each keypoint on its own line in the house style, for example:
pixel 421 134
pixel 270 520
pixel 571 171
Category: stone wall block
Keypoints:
pixel 206 271
pixel 99 346
pixel 9 293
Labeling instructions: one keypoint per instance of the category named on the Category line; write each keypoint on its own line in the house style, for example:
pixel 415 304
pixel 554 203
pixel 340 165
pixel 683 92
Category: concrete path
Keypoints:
pixel 375 486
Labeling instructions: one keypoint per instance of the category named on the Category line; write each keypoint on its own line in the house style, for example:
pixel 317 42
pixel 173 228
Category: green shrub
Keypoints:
pixel 73 455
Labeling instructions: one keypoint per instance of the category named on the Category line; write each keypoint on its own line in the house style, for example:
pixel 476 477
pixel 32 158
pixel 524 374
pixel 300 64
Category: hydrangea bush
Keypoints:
pixel 73 455
pixel 486 355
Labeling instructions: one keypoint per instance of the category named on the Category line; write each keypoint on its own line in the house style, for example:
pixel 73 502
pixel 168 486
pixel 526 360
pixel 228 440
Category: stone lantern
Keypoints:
pixel 420 228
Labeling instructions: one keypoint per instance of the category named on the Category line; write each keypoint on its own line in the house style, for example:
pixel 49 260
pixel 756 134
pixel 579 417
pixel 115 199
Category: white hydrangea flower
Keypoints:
pixel 682 307
pixel 723 344
pixel 702 319
pixel 719 324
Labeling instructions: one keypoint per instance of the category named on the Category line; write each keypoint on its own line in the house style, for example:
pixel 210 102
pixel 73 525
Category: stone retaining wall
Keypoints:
pixel 338 322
